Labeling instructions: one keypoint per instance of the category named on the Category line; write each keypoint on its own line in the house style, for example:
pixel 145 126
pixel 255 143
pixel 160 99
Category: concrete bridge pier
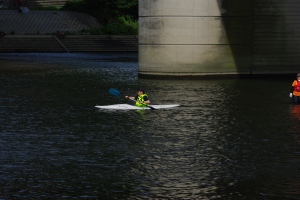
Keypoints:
pixel 191 38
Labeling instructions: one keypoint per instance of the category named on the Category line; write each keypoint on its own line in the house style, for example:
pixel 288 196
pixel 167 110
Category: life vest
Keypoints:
pixel 140 100
pixel 297 87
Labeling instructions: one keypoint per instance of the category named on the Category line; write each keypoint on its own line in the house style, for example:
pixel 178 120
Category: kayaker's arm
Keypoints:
pixel 147 101
pixel 130 97
pixel 291 93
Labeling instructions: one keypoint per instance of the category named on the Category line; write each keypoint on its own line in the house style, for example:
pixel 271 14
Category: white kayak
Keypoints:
pixel 132 107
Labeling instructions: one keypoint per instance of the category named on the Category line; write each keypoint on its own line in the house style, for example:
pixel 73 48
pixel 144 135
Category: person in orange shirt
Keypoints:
pixel 295 90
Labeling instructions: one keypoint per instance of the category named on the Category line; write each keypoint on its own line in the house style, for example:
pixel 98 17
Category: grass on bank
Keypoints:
pixel 120 24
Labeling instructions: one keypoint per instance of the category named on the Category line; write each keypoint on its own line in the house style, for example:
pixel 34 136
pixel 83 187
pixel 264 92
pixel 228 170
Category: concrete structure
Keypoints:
pixel 218 37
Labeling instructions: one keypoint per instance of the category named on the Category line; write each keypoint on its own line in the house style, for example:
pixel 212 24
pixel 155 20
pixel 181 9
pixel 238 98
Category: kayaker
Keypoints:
pixel 141 98
pixel 295 90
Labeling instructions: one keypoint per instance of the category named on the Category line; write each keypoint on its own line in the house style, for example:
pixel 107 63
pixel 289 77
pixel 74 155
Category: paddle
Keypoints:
pixel 116 92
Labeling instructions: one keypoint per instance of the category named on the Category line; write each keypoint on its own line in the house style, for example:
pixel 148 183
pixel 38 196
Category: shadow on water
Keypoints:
pixel 230 139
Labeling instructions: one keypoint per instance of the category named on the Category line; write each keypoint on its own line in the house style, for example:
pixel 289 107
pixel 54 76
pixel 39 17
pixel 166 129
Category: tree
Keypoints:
pixel 117 16
pixel 107 11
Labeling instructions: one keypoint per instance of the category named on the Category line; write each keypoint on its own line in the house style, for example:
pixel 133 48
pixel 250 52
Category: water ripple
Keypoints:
pixel 230 139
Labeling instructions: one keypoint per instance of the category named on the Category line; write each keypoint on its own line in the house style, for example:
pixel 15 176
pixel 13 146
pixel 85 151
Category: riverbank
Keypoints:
pixel 71 43
pixel 36 32
pixel 40 22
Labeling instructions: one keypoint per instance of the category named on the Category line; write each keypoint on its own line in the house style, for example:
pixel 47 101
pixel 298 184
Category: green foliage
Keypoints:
pixel 124 25
pixel 125 3
pixel 75 5
pixel 48 8
pixel 96 31
pixel 107 11
pixel 117 16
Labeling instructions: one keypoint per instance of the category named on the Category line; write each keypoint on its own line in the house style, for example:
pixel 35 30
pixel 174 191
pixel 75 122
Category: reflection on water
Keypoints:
pixel 230 139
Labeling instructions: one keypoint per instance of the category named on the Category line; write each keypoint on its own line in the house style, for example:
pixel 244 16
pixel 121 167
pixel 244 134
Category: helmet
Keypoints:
pixel 142 90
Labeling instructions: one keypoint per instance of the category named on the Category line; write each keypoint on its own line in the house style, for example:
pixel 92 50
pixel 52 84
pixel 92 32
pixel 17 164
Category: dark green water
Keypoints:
pixel 230 139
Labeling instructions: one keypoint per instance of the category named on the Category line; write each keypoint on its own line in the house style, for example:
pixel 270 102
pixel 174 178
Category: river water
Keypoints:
pixel 229 139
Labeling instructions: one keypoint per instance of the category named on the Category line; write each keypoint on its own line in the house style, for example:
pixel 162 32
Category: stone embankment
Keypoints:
pixel 71 43
pixel 36 32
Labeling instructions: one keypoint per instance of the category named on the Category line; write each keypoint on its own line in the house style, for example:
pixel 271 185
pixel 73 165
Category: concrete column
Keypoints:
pixel 194 37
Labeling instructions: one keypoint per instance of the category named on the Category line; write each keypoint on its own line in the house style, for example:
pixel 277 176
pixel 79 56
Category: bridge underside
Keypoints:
pixel 183 38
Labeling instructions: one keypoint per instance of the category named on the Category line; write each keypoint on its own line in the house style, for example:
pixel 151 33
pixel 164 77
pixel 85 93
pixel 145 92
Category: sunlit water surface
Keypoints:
pixel 230 139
